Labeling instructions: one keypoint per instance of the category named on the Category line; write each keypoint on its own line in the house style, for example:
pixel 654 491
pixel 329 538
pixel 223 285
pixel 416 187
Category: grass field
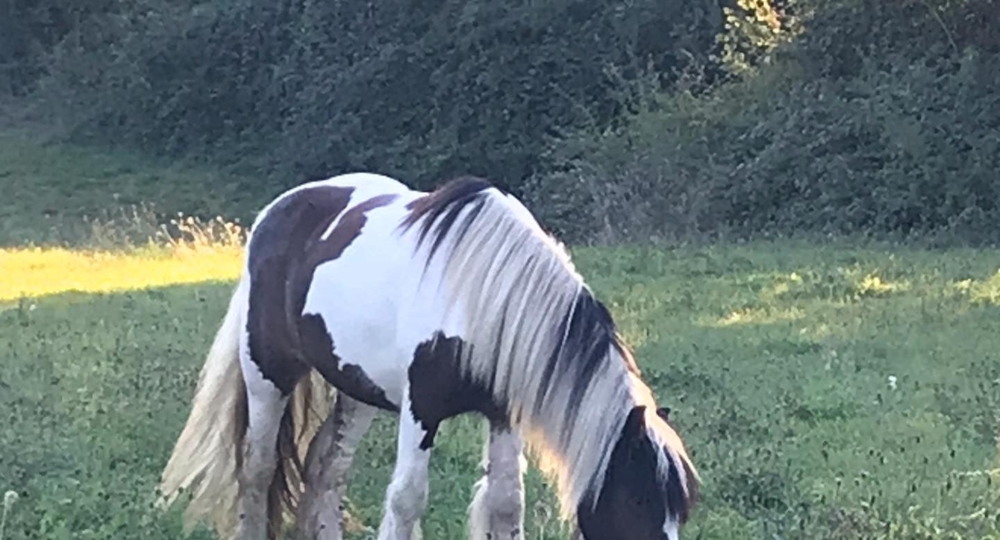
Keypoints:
pixel 825 392
pixel 60 193
pixel 776 359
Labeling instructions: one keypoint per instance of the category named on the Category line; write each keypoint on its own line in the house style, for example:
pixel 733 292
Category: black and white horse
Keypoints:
pixel 429 305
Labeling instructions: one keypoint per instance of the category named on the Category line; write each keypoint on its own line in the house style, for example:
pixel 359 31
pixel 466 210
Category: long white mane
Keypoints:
pixel 522 288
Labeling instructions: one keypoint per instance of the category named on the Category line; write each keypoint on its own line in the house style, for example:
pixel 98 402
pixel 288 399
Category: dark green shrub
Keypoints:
pixel 29 29
pixel 901 144
pixel 419 89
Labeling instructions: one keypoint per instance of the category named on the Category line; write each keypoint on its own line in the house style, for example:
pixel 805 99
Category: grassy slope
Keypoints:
pixel 775 358
pixel 51 192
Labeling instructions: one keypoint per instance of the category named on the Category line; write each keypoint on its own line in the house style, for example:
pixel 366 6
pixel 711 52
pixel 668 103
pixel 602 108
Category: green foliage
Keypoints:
pixel 776 359
pixel 843 35
pixel 29 29
pixel 423 90
pixel 903 143
pixel 652 119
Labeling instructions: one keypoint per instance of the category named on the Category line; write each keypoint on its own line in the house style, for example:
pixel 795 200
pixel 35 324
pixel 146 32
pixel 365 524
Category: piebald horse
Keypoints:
pixel 428 305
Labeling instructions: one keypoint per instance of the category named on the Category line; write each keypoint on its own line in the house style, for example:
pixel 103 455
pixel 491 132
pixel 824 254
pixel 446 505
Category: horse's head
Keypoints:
pixel 649 487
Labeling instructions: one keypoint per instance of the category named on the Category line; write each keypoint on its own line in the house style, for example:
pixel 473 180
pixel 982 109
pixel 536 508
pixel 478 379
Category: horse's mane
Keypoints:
pixel 539 339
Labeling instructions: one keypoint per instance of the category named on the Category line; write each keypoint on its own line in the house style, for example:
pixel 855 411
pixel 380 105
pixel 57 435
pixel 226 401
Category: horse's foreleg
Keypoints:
pixel 327 464
pixel 497 509
pixel 406 497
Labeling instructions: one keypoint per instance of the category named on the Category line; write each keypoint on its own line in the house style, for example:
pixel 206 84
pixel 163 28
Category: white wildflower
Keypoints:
pixel 892 382
pixel 9 499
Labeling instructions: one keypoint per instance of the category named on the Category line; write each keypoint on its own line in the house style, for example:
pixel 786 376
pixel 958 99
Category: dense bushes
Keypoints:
pixel 665 118
pixel 422 89
pixel 901 138
pixel 29 29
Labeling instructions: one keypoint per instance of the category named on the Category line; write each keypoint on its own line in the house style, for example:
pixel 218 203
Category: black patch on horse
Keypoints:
pixel 350 378
pixel 314 343
pixel 439 390
pixel 629 491
pixel 447 202
pixel 284 251
pixel 275 249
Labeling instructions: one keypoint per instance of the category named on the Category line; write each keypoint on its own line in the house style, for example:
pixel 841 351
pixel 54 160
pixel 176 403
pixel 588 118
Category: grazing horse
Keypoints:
pixel 428 305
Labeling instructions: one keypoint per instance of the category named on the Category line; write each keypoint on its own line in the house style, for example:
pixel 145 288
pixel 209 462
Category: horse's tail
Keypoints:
pixel 205 459
pixel 307 408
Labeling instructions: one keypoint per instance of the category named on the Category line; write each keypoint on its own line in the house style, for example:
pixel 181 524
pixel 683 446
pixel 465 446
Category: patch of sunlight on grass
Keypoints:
pixel 755 316
pixel 986 291
pixel 777 286
pixel 838 283
pixel 34 272
pixel 873 285
pixel 634 336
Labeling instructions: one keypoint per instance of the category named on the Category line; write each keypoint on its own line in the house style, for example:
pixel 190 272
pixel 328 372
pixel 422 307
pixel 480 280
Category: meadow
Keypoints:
pixel 826 391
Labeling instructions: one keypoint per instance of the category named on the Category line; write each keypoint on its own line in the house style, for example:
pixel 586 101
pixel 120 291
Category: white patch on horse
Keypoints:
pixel 365 186
pixel 356 294
pixel 671 529
pixel 406 497
pixel 265 406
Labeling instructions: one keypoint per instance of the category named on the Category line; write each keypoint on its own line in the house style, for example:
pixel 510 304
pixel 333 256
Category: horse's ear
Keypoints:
pixel 664 413
pixel 635 424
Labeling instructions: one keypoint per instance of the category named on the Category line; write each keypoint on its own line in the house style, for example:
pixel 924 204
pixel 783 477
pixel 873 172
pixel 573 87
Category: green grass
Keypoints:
pixel 60 193
pixel 776 359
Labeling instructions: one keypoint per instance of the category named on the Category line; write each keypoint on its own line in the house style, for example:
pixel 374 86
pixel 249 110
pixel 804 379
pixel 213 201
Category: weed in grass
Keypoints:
pixel 9 500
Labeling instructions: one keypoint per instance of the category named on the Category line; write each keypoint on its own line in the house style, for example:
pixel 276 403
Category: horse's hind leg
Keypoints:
pixel 497 509
pixel 327 463
pixel 265 407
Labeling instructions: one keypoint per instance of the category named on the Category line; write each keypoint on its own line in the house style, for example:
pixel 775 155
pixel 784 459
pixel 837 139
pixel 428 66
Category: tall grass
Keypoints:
pixel 126 250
